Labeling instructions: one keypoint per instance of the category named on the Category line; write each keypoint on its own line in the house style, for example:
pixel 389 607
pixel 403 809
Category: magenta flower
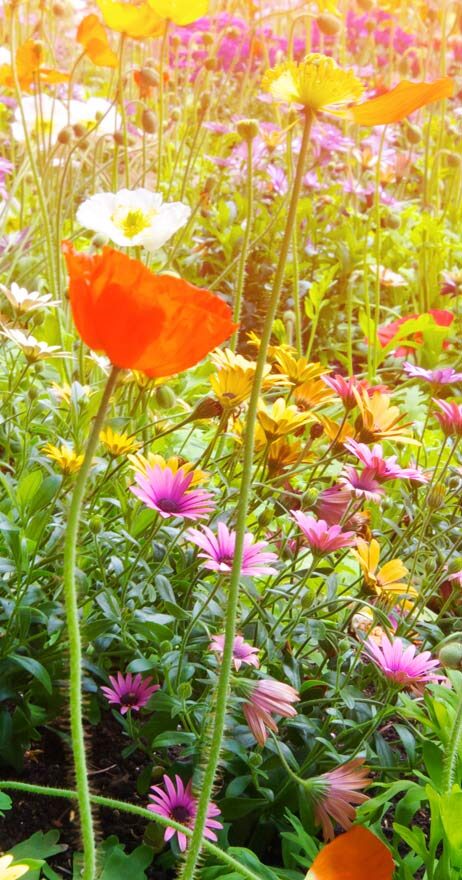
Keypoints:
pixel 218 551
pixel 321 538
pixel 450 417
pixel 442 376
pixel 402 664
pixel 268 696
pixel 332 504
pixel 361 484
pixel 336 792
pixel 128 692
pixel 177 802
pixel 242 651
pixel 168 492
pixel 346 387
pixel 384 468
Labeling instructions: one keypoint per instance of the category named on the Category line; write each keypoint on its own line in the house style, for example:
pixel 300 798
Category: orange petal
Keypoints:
pixel 401 101
pixel 356 855
pixel 28 58
pixel 92 36
pixel 157 324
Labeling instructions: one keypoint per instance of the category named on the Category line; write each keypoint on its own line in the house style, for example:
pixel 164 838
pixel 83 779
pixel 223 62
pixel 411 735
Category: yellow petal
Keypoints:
pixel 401 101
pixel 392 571
pixel 181 12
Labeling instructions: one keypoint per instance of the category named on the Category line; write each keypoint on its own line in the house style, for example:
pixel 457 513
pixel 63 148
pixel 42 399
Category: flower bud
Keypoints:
pixel 164 396
pixel 208 408
pixel 208 39
pixel 211 64
pixel 391 221
pixel 79 130
pixel 148 77
pixel 96 524
pixel 316 430
pixel 450 655
pixel 309 498
pixel 455 565
pixel 99 240
pixel 247 129
pixel 328 24
pixel 119 138
pixel 184 690
pixel 413 134
pixel 366 5
pixel 453 160
pixel 436 496
pixel 58 9
pixel 65 135
pixel 148 121
pixel 266 517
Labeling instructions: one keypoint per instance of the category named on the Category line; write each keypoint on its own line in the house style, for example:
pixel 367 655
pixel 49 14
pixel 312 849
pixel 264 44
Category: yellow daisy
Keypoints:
pixel 9 871
pixel 65 457
pixel 118 444
pixel 297 370
pixel 385 582
pixel 378 420
pixel 281 419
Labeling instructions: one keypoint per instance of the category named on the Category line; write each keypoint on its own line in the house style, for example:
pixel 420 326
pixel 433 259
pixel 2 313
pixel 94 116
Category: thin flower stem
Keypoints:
pixel 125 807
pixel 245 245
pixel 219 720
pixel 160 124
pixel 75 646
pixel 452 754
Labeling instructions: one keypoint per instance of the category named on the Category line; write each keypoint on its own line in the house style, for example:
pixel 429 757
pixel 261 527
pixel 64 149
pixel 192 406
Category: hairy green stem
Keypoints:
pixel 125 807
pixel 224 679
pixel 245 244
pixel 75 646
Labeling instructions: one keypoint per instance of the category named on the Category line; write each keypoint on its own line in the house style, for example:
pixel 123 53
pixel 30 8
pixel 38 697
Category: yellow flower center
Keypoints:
pixel 131 222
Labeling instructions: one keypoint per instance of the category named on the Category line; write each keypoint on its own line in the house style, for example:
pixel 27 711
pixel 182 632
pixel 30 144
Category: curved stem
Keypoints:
pixel 75 646
pixel 207 782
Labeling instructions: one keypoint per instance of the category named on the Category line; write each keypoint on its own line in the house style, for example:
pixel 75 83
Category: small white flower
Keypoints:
pixel 45 117
pixel 27 301
pixel 133 217
pixel 5 55
pixel 32 348
pixel 93 111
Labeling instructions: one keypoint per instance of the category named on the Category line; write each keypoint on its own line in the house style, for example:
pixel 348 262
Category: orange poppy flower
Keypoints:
pixel 398 103
pixel 356 855
pixel 29 68
pixel 92 36
pixel 157 324
pixel 136 20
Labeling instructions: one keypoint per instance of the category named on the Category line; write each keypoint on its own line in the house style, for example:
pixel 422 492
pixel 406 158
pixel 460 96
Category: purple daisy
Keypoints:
pixel 168 492
pixel 242 651
pixel 384 468
pixel 218 551
pixel 177 802
pixel 441 376
pixel 402 664
pixel 321 537
pixel 128 692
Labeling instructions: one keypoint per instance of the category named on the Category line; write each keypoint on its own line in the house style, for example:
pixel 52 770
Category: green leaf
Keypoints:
pixel 451 817
pixel 250 860
pixel 237 807
pixel 415 838
pixel 34 668
pixel 5 803
pixel 28 486
pixel 38 848
pixel 174 738
pixel 119 866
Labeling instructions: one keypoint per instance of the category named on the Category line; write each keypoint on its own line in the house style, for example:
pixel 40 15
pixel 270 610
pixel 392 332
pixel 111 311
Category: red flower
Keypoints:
pixel 157 324
pixel 387 332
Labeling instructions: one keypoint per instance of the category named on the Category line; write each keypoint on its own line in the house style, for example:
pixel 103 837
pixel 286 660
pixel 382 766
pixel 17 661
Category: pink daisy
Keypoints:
pixel 361 484
pixel 177 802
pixel 332 504
pixel 345 387
pixel 450 417
pixel 441 376
pixel 336 793
pixel 268 696
pixel 322 538
pixel 168 492
pixel 218 551
pixel 242 651
pixel 128 692
pixel 402 664
pixel 384 468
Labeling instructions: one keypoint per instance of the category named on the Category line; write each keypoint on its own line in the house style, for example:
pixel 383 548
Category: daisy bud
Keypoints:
pixel 175 114
pixel 328 24
pixel 436 496
pixel 204 103
pixel 451 655
pixel 119 138
pixel 99 240
pixel 96 525
pixel 207 39
pixel 148 77
pixel 413 134
pixel 247 129
pixel 453 160
pixel 175 41
pixel 148 121
pixel 266 517
pixel 392 221
pixel 65 135
pixel 208 408
pixel 79 130
pixel 310 498
pixel 455 565
pixel 316 430
pixel 164 396
pixel 403 67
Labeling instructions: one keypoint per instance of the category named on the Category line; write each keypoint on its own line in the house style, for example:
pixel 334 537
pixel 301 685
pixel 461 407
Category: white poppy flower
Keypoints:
pixel 45 117
pixel 133 217
pixel 92 111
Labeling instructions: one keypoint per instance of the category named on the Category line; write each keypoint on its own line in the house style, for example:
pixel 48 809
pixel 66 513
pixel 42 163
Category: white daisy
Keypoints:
pixel 26 301
pixel 32 348
pixel 133 217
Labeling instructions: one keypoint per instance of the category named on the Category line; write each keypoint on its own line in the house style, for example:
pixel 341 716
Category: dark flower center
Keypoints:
pixel 129 699
pixel 168 504
pixel 181 813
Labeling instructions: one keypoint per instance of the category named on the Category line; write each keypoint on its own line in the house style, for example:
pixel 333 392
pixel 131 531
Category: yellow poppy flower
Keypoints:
pixel 281 419
pixel 65 457
pixel 9 871
pixel 134 19
pixel 378 420
pixel 118 444
pixel 386 582
pixel 181 12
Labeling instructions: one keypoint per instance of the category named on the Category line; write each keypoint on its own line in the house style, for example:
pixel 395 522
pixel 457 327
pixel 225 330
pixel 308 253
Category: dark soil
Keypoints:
pixel 111 776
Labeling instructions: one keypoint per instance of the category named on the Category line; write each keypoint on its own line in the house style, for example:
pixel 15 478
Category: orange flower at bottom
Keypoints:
pixel 356 855
pixel 157 324
pixel 398 103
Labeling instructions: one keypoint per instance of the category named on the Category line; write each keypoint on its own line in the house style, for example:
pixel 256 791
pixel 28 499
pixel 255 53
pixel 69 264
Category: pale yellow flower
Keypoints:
pixel 232 385
pixel 67 459
pixel 8 871
pixel 316 82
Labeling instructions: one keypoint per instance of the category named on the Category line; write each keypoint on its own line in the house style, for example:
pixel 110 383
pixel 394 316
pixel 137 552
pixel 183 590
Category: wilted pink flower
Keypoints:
pixel 332 503
pixel 361 484
pixel 177 802
pixel 442 376
pixel 242 651
pixel 383 468
pixel 338 790
pixel 128 692
pixel 218 551
pixel 167 492
pixel 450 417
pixel 268 696
pixel 402 664
pixel 320 537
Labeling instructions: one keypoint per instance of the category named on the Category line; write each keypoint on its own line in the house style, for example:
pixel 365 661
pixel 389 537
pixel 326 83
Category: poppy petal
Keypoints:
pixel 92 36
pixel 356 855
pixel 401 101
